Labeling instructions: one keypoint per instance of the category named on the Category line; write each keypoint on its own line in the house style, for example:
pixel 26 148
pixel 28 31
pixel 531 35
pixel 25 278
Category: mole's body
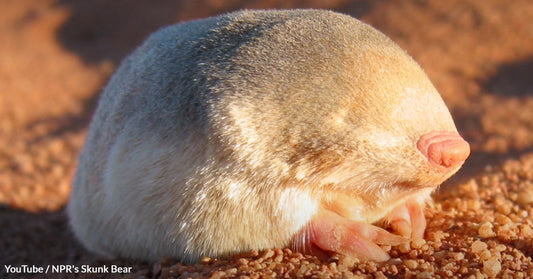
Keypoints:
pixel 262 129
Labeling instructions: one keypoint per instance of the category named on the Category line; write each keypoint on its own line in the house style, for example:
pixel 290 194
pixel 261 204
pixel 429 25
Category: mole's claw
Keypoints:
pixel 334 233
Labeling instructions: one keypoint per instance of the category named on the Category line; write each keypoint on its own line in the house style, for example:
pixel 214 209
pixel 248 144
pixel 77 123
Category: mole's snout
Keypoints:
pixel 445 149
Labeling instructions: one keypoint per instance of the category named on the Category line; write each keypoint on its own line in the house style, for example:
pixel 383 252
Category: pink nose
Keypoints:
pixel 446 149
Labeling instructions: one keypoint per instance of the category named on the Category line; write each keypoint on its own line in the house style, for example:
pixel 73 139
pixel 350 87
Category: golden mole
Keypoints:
pixel 262 129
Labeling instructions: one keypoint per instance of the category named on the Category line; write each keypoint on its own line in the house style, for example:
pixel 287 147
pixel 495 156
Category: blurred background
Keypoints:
pixel 55 56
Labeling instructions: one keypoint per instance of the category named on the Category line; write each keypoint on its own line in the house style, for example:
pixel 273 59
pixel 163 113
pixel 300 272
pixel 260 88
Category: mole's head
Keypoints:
pixel 385 133
pixel 333 103
pixel 395 122
pixel 367 122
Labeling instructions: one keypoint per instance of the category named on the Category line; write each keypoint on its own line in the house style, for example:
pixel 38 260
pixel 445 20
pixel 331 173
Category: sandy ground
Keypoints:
pixel 55 55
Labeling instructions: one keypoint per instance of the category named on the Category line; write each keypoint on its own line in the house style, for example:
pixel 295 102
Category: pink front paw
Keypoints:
pixel 331 232
pixel 408 219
